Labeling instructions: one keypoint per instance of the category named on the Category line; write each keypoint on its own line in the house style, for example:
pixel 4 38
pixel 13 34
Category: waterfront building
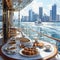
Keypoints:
pixel 58 18
pixel 35 16
pixel 24 19
pixel 50 15
pixel 45 18
pixel 30 15
pixel 40 12
pixel 54 12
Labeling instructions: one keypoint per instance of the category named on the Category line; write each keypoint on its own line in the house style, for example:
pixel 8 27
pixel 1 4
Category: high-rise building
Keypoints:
pixel 35 16
pixel 54 12
pixel 45 18
pixel 58 18
pixel 24 19
pixel 30 15
pixel 40 12
pixel 50 15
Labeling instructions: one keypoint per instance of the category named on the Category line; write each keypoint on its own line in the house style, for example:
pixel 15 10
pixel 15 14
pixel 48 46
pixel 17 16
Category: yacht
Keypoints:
pixel 38 22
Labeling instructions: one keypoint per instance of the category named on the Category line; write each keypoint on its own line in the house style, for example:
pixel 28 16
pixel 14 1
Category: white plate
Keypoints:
pixel 20 52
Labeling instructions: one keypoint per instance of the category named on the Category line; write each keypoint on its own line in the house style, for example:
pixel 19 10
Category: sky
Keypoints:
pixel 46 4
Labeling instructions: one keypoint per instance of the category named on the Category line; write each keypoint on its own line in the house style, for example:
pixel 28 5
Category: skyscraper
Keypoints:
pixel 40 12
pixel 50 15
pixel 30 15
pixel 24 19
pixel 35 16
pixel 58 18
pixel 54 12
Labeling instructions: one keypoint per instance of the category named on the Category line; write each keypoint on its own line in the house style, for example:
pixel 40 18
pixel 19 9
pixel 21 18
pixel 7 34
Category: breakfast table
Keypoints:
pixel 42 53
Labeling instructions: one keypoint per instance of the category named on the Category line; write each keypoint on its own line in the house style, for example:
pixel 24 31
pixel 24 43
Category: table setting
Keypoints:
pixel 24 48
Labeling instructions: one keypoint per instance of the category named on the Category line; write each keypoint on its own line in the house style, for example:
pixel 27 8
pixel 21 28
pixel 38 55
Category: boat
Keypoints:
pixel 38 22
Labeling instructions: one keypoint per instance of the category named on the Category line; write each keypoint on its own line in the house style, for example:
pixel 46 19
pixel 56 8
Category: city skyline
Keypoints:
pixel 32 16
pixel 46 4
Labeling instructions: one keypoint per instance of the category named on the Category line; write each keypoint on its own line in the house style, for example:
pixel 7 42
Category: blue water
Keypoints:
pixel 50 28
pixel 53 28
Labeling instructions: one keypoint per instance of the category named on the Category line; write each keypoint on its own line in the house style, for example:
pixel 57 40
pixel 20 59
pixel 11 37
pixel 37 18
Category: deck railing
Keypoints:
pixel 26 30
